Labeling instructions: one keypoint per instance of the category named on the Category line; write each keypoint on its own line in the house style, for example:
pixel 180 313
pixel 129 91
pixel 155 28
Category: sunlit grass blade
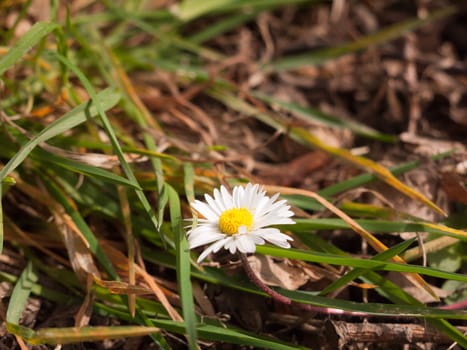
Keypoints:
pixel 136 108
pixel 428 247
pixel 82 168
pixel 384 174
pixel 111 134
pixel 374 211
pixel 381 226
pixel 37 32
pixel 363 179
pixel 318 57
pixel 352 275
pixel 183 266
pixel 86 334
pixel 191 9
pixel 108 98
pixel 354 262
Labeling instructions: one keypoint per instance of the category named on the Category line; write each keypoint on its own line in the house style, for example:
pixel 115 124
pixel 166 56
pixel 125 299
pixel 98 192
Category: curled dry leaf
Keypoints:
pixel 279 273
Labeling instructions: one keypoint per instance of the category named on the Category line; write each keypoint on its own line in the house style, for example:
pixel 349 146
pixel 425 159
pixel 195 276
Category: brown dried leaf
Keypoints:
pixel 279 273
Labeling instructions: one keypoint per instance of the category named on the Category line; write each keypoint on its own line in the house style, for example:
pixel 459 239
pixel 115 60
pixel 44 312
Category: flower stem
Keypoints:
pixel 260 284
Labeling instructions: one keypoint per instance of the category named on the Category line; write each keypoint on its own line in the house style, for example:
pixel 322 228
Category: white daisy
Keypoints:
pixel 239 220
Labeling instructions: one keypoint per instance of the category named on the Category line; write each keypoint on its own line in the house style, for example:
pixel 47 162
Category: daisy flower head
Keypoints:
pixel 239 220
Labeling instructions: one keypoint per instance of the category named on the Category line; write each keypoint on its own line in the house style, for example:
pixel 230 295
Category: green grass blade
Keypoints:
pixel 1 217
pixel 318 57
pixel 4 185
pixel 68 335
pixel 355 262
pixel 308 113
pixel 183 266
pixel 380 226
pixel 83 227
pixel 82 168
pixel 375 309
pixel 21 291
pixel 355 273
pixel 222 26
pixel 363 179
pixel 230 335
pixel 108 98
pixel 191 9
pixel 25 43
pixel 113 138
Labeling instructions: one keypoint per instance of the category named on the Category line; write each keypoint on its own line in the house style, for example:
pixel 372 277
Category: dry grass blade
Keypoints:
pixel 383 173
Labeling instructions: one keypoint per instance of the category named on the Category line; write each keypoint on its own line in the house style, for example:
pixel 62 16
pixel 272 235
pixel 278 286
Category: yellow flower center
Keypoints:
pixel 232 219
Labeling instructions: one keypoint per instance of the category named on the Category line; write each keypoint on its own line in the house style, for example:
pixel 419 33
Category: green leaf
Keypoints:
pixel 380 226
pixel 458 291
pixel 83 227
pixel 355 262
pixel 108 98
pixel 19 296
pixel 25 43
pixel 375 309
pixel 183 266
pixel 355 273
pixel 448 259
pixel 231 335
pixel 82 168
pixel 112 136
pixel 191 9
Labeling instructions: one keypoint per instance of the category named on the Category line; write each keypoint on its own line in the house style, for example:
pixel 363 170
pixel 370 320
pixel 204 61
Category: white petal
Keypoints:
pixel 270 220
pixel 219 200
pixel 226 198
pixel 213 204
pixel 207 211
pixel 250 196
pixel 231 245
pixel 238 196
pixel 245 244
pixel 212 248
pixel 201 238
pixel 274 236
pixel 260 206
pixel 242 229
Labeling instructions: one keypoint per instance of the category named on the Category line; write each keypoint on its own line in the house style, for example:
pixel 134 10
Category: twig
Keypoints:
pixel 340 333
